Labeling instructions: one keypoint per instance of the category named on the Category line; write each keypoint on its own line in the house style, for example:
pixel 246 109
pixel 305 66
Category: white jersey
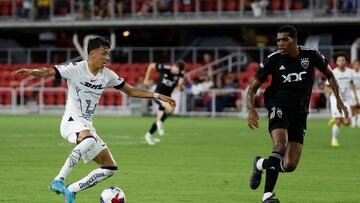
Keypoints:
pixel 343 79
pixel 357 80
pixel 85 89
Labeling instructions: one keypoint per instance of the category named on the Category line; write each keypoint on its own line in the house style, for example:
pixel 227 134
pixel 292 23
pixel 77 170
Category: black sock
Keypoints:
pixel 273 166
pixel 153 128
pixel 164 117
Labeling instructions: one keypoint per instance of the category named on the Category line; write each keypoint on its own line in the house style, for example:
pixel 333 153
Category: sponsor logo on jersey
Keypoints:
pixel 167 82
pixel 304 63
pixel 293 77
pixel 92 86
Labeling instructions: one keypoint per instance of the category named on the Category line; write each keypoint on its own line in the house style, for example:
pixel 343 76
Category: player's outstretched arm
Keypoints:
pixel 150 68
pixel 136 92
pixel 335 89
pixel 38 72
pixel 253 117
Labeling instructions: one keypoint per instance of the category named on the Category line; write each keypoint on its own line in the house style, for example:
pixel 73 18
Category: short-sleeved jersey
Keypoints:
pixel 292 78
pixel 357 80
pixel 343 79
pixel 167 81
pixel 85 89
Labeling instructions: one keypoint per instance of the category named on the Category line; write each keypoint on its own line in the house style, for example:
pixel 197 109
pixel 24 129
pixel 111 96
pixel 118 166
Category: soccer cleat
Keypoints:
pixel 57 186
pixel 149 140
pixel 156 140
pixel 160 128
pixel 271 199
pixel 335 143
pixel 69 196
pixel 255 178
pixel 331 122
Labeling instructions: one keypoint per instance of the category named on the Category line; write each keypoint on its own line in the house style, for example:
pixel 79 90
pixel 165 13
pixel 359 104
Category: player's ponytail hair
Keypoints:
pixel 289 29
pixel 180 64
pixel 97 42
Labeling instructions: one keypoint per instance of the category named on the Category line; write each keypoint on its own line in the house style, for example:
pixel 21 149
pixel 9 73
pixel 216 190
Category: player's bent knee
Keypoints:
pixel 290 167
pixel 111 170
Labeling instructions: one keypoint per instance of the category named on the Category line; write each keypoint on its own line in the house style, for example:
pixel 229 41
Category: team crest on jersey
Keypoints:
pixel 304 63
pixel 279 113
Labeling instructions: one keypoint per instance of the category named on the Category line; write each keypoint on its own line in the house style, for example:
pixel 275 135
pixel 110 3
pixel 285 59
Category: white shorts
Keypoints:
pixel 335 112
pixel 352 98
pixel 69 131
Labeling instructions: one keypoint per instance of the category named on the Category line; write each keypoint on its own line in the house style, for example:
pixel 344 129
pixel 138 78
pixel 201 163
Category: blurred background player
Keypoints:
pixel 345 77
pixel 355 119
pixel 287 100
pixel 86 81
pixel 170 77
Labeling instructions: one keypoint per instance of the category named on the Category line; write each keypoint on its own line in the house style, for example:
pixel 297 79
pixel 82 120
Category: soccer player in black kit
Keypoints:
pixel 170 77
pixel 287 101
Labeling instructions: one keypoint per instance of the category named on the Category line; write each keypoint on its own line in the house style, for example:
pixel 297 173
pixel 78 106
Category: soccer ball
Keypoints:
pixel 112 195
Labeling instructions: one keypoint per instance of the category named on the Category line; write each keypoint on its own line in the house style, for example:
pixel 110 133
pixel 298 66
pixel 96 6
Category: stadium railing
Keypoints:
pixel 66 13
pixel 148 54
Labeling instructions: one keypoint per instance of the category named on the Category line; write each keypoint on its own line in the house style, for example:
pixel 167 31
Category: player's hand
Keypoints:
pixel 253 119
pixel 146 83
pixel 342 108
pixel 170 100
pixel 22 71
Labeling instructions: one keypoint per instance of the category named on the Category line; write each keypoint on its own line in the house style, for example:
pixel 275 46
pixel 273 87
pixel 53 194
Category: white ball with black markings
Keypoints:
pixel 112 194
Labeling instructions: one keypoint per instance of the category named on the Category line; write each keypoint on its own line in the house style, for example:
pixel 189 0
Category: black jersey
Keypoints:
pixel 167 81
pixel 292 78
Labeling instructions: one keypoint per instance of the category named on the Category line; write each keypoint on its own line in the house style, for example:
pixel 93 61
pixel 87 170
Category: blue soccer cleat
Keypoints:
pixel 69 196
pixel 57 186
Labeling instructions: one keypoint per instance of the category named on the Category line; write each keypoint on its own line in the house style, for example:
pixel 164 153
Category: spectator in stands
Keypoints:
pixel 259 7
pixel 43 9
pixel 103 8
pixel 24 10
pixel 349 6
pixel 119 6
pixel 85 8
pixel 155 5
pixel 222 95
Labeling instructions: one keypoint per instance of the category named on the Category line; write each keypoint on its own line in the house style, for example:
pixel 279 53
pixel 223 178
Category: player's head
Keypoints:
pixel 98 50
pixel 340 60
pixel 356 65
pixel 286 39
pixel 178 67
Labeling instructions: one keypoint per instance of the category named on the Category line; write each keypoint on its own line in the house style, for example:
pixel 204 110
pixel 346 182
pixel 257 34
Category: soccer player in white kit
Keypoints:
pixel 86 81
pixel 355 119
pixel 345 78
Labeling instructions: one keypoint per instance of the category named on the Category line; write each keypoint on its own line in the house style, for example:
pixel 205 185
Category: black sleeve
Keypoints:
pixel 159 67
pixel 265 69
pixel 57 74
pixel 320 61
pixel 121 85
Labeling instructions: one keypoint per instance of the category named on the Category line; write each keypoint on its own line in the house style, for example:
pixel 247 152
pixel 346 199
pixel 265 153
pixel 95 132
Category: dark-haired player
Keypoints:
pixel 86 81
pixel 287 100
pixel 170 77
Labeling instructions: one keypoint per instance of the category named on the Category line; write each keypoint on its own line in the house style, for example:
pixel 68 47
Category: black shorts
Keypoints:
pixel 294 122
pixel 161 108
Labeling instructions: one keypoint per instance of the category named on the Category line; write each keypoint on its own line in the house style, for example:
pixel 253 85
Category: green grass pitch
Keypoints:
pixel 200 160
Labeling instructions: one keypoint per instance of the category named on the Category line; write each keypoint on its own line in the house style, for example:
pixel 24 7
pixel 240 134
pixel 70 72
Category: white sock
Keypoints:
pixel 92 178
pixel 335 132
pixel 259 164
pixel 159 124
pixel 75 155
pixel 358 120
pixel 353 121
pixel 267 195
